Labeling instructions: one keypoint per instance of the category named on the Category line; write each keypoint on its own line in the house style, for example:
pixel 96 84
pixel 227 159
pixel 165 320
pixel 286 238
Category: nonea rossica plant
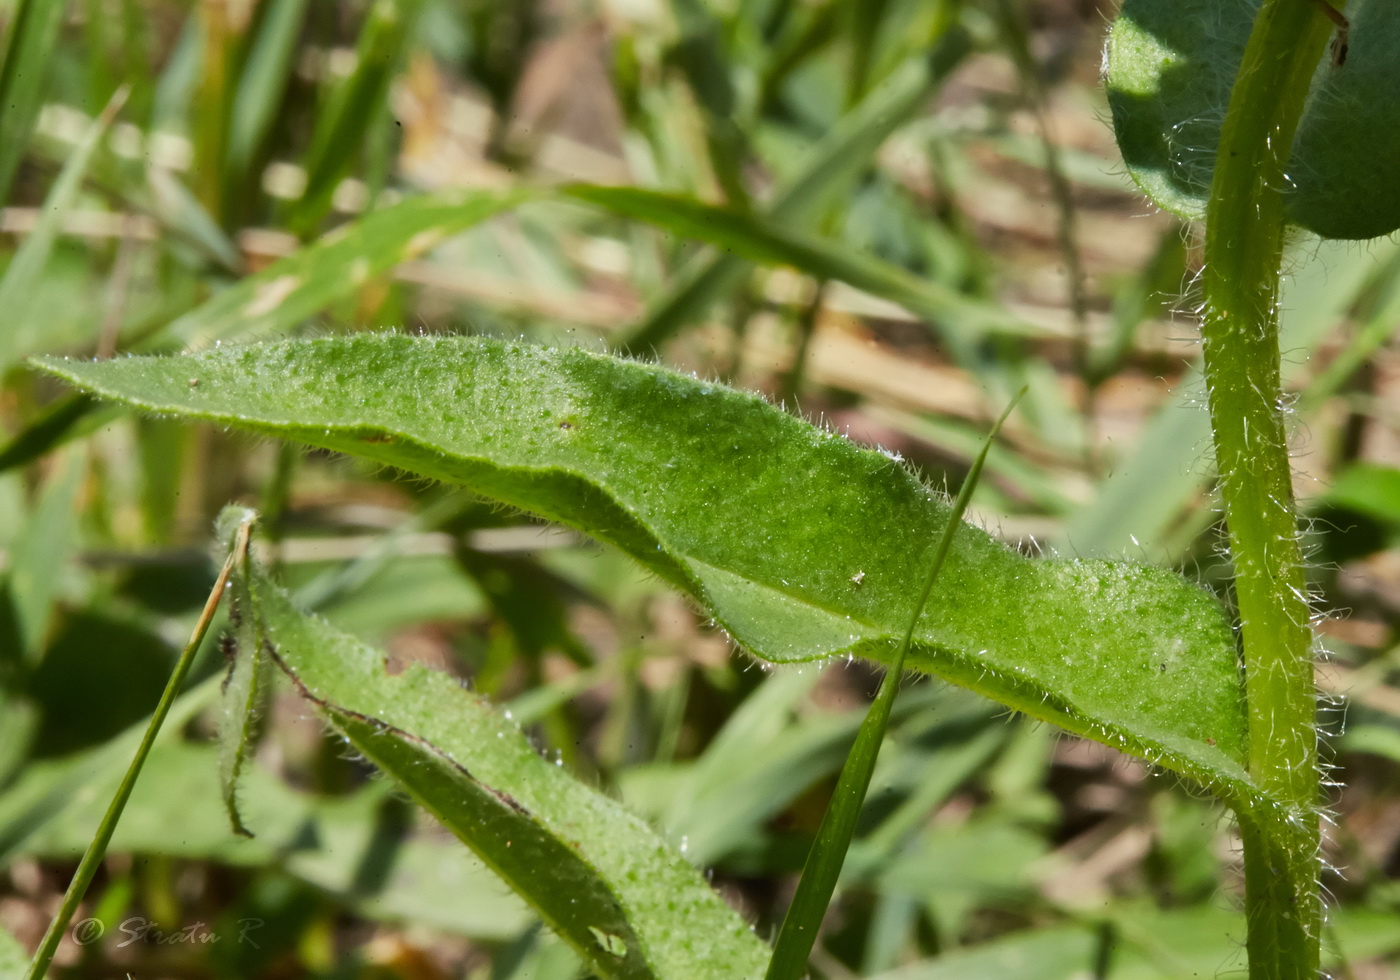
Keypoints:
pixel 664 467
pixel 1235 112
pixel 803 546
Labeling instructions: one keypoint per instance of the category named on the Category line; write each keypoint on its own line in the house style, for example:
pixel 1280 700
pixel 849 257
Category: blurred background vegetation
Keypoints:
pixel 153 153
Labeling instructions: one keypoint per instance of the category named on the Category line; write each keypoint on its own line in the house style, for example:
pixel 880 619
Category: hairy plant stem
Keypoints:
pixel 1243 254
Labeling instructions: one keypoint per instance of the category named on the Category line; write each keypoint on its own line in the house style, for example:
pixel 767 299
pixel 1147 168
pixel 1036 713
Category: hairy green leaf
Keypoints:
pixel 1171 67
pixel 801 544
pixel 245 687
pixel 602 879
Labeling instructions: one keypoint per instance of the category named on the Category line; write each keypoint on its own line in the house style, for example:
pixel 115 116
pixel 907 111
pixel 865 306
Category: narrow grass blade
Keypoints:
pixel 38 556
pixel 804 916
pixel 758 240
pixel 831 164
pixel 301 285
pixel 699 54
pixel 87 867
pixel 262 82
pixel 628 903
pixel 19 723
pixel 665 467
pixel 62 422
pixel 55 425
pixel 28 54
pixel 22 274
pixel 213 101
pixel 341 127
pixel 190 220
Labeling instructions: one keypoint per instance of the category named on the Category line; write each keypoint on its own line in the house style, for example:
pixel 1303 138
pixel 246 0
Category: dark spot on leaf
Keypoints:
pixel 507 799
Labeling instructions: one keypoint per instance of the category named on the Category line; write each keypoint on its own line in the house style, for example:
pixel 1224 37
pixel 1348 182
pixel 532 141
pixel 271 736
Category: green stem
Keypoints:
pixel 97 849
pixel 822 869
pixel 1243 253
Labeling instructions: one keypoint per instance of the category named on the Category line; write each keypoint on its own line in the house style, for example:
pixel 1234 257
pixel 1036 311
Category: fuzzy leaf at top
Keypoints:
pixel 1171 66
pixel 801 544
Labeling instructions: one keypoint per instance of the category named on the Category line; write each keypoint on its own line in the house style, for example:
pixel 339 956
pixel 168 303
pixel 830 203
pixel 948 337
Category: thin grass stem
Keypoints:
pixel 823 867
pixel 97 849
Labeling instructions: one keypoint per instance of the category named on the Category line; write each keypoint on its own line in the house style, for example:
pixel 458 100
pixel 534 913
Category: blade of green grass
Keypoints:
pixel 304 283
pixel 39 554
pixel 756 239
pixel 213 104
pixel 92 858
pixel 700 54
pixel 55 424
pixel 262 82
pixel 831 164
pixel 350 109
pixel 804 916
pixel 187 217
pixel 18 284
pixel 28 54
